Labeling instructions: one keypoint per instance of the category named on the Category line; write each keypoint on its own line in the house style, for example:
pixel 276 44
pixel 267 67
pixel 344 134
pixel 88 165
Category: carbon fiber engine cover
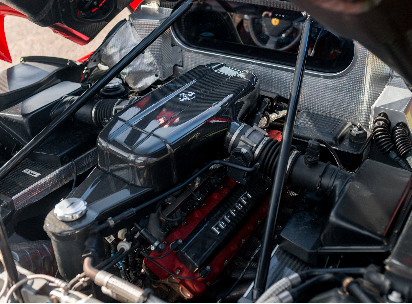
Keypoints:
pixel 163 137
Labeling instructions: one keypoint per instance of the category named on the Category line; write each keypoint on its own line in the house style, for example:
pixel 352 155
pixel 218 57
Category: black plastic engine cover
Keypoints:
pixel 164 136
pixel 32 75
pixel 28 92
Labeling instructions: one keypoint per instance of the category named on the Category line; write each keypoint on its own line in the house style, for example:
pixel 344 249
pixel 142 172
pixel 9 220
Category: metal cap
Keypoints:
pixel 70 209
pixel 114 84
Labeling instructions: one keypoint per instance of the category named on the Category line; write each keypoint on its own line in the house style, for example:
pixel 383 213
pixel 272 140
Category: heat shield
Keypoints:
pixel 155 63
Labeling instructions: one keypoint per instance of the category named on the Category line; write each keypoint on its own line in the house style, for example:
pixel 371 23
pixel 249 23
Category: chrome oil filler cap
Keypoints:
pixel 70 209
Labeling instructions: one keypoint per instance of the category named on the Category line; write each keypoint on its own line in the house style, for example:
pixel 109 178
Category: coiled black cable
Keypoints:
pixel 332 151
pixel 381 133
pixel 383 139
pixel 400 135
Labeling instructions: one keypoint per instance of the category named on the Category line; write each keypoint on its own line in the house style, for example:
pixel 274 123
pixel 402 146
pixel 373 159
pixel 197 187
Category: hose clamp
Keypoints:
pixel 260 147
pixel 111 222
pixel 94 113
pixel 232 140
pixel 345 284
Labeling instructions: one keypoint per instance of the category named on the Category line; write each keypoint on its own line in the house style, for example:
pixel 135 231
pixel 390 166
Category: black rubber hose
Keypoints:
pixel 357 292
pixel 355 271
pixel 109 260
pixel 262 108
pixel 240 276
pixel 315 285
pixel 132 211
pixel 121 257
pixel 146 234
pixel 380 281
pixel 268 157
pixel 90 93
pixel 279 177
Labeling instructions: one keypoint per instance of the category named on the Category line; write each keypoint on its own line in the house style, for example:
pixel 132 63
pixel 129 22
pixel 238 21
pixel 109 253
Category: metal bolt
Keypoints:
pixel 207 283
pixel 3 204
pixel 197 181
pixel 177 271
pixel 184 224
pixel 243 241
pixel 225 262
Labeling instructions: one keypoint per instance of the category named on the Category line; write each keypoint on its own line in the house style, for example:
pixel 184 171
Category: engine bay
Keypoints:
pixel 171 167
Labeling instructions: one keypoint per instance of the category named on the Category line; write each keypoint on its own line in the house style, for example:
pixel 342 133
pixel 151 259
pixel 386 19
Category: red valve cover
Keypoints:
pixel 197 287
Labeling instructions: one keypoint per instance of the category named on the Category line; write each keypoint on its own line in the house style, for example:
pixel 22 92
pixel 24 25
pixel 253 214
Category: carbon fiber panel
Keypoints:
pixel 269 3
pixel 346 95
pixel 157 141
pixel 42 179
pixel 272 3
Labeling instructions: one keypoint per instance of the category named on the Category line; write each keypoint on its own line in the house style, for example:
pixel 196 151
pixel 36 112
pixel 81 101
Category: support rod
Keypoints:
pixel 114 71
pixel 8 260
pixel 279 178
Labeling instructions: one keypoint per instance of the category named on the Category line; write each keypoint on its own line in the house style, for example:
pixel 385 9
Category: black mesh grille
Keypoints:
pixel 25 174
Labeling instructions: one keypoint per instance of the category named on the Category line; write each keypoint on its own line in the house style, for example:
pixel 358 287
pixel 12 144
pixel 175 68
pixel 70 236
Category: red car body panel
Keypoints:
pixel 57 28
pixel 135 4
pixel 4 48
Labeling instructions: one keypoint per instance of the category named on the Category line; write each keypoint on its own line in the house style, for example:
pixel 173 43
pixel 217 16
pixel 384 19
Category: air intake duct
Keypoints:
pixel 97 112
pixel 250 145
